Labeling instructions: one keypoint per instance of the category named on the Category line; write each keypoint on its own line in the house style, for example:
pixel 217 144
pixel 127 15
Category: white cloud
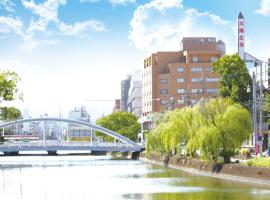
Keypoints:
pixel 31 43
pixel 47 11
pixel 37 32
pixel 81 27
pixel 8 25
pixel 160 25
pixel 265 8
pixel 7 5
pixel 121 2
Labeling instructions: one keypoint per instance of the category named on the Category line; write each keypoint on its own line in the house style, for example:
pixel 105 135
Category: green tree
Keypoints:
pixel 9 113
pixel 8 92
pixel 216 127
pixel 9 86
pixel 266 105
pixel 124 123
pixel 225 125
pixel 235 81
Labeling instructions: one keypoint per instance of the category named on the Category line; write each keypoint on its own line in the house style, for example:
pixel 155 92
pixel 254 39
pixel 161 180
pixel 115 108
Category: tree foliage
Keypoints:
pixel 235 81
pixel 9 91
pixel 216 127
pixel 9 113
pixel 266 105
pixel 9 85
pixel 124 123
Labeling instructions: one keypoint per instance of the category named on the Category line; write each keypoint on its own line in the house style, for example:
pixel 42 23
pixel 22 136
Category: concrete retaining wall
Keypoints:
pixel 234 171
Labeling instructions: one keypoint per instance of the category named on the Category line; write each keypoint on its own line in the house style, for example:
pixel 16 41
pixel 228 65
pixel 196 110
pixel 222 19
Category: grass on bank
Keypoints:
pixel 259 162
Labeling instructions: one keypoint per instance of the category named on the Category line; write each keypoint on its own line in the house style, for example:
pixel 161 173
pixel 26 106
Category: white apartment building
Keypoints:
pixel 135 94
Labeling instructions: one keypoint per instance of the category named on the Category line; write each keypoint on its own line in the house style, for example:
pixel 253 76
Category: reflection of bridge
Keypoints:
pixel 123 144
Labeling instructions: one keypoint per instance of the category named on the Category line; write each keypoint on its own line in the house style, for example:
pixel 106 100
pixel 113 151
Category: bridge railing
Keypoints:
pixel 67 144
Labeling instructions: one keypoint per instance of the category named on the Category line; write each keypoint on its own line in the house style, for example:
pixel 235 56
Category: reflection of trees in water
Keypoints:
pixel 205 195
pixel 209 188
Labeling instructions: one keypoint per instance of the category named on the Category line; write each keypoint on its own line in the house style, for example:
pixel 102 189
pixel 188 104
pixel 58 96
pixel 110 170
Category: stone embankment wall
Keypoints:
pixel 248 173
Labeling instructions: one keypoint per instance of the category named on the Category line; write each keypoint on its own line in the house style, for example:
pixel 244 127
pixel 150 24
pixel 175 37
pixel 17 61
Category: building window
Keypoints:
pixel 195 59
pixel 202 41
pixel 197 90
pixel 163 91
pixel 196 80
pixel 180 80
pixel 180 91
pixel 180 101
pixel 180 69
pixel 209 69
pixel 213 58
pixel 163 80
pixel 211 40
pixel 164 101
pixel 212 90
pixel 196 69
pixel 212 80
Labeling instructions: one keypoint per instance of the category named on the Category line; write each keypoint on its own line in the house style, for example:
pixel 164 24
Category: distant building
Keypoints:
pixel 52 129
pixel 181 78
pixel 117 104
pixel 125 85
pixel 75 130
pixel 135 94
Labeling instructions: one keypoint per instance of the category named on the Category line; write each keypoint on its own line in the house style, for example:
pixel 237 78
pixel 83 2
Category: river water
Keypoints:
pixel 90 178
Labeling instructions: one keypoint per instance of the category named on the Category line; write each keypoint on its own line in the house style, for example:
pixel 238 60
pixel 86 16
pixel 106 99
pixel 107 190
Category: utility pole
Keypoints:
pixel 254 111
pixel 260 125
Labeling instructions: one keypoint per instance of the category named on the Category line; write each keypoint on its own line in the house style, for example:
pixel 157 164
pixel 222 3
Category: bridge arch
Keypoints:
pixel 86 124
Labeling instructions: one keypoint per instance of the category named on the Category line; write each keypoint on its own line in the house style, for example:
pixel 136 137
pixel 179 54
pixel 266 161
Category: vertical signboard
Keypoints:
pixel 241 36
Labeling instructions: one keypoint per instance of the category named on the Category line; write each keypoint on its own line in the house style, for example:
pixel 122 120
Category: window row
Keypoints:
pixel 194 69
pixel 197 90
pixel 178 101
pixel 193 80
pixel 195 59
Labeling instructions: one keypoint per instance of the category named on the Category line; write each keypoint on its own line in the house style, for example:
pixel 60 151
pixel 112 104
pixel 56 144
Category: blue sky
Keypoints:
pixel 68 51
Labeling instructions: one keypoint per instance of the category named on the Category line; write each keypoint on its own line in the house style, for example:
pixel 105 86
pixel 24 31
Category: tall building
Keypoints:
pixel 80 114
pixel 177 79
pixel 241 35
pixel 125 85
pixel 135 94
pixel 117 104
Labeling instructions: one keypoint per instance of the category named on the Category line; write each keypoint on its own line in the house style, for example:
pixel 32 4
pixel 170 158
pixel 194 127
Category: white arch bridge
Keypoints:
pixel 123 144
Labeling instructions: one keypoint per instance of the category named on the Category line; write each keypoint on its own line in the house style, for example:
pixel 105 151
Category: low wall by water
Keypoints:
pixel 233 171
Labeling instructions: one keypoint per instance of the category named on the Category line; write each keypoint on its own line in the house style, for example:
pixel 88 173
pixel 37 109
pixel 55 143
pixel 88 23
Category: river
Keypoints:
pixel 89 177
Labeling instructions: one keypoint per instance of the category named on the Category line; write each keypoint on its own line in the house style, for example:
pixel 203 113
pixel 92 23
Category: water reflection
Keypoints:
pixel 86 177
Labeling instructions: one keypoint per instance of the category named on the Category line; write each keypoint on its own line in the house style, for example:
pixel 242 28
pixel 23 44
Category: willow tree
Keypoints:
pixel 167 136
pixel 226 125
pixel 216 127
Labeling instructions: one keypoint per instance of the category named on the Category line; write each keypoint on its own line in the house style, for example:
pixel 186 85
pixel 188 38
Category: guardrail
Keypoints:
pixel 64 144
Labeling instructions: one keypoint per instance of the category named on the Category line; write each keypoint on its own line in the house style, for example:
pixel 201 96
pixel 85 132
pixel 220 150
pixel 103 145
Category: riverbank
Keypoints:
pixel 233 172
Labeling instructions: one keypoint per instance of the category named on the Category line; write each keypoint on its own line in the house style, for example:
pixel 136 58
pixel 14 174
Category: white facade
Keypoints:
pixel 241 36
pixel 135 94
pixel 80 114
pixel 147 90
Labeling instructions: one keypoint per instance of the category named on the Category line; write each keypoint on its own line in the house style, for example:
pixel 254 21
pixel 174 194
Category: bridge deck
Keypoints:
pixel 68 146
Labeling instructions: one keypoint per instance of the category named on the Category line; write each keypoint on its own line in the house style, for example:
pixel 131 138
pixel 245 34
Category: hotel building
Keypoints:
pixel 181 78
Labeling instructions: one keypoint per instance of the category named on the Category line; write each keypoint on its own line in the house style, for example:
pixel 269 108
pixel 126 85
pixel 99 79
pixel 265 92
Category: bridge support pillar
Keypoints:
pixel 12 153
pixel 98 153
pixel 135 155
pixel 52 153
